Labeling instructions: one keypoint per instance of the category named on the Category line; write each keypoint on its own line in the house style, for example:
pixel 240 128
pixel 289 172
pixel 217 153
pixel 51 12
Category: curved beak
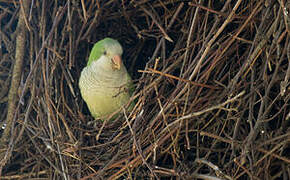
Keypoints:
pixel 117 61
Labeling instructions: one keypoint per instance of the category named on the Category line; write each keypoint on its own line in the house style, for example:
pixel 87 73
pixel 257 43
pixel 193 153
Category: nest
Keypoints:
pixel 212 90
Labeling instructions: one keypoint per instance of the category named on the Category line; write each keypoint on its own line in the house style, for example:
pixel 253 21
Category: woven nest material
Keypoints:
pixel 212 90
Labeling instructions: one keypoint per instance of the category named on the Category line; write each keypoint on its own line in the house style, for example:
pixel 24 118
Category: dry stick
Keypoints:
pixel 186 122
pixel 24 12
pixel 36 146
pixel 245 170
pixel 219 138
pixel 27 112
pixel 157 80
pixel 194 114
pixel 262 112
pixel 82 34
pixel 48 101
pixel 47 98
pixel 286 16
pixel 15 81
pixel 251 16
pixel 188 41
pixel 270 152
pixel 138 145
pixel 166 171
pixel 208 9
pixel 285 159
pixel 218 172
pixel 110 165
pixel 84 10
pixel 13 115
pixel 93 24
pixel 25 175
pixel 137 159
pixel 203 176
pixel 173 139
pixel 100 172
pixel 179 92
pixel 64 174
pixel 253 55
pixel 165 35
pixel 68 131
pixel 275 139
pixel 228 20
pixel 167 28
pixel 267 153
pixel 69 29
pixel 284 84
pixel 177 78
pixel 157 49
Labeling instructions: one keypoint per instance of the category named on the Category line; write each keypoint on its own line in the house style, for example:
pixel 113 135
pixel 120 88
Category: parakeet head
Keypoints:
pixel 109 50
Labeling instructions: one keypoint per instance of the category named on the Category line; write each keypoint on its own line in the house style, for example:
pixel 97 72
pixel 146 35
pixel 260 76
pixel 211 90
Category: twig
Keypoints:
pixel 15 82
pixel 165 35
pixel 176 78
pixel 218 172
pixel 138 146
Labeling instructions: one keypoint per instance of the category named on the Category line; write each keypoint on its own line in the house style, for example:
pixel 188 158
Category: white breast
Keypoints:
pixel 102 88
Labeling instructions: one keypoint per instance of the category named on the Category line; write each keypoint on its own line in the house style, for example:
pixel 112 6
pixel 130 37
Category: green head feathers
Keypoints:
pixel 107 46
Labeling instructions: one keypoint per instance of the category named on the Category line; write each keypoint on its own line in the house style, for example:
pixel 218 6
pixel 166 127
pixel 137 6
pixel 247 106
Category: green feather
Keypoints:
pixel 99 49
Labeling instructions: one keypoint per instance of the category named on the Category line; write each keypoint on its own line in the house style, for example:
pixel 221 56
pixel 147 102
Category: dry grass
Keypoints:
pixel 212 90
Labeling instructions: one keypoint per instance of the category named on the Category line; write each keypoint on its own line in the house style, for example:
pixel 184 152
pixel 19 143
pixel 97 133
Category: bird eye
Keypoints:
pixel 105 52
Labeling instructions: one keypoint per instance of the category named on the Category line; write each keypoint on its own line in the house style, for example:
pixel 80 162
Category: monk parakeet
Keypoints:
pixel 105 84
